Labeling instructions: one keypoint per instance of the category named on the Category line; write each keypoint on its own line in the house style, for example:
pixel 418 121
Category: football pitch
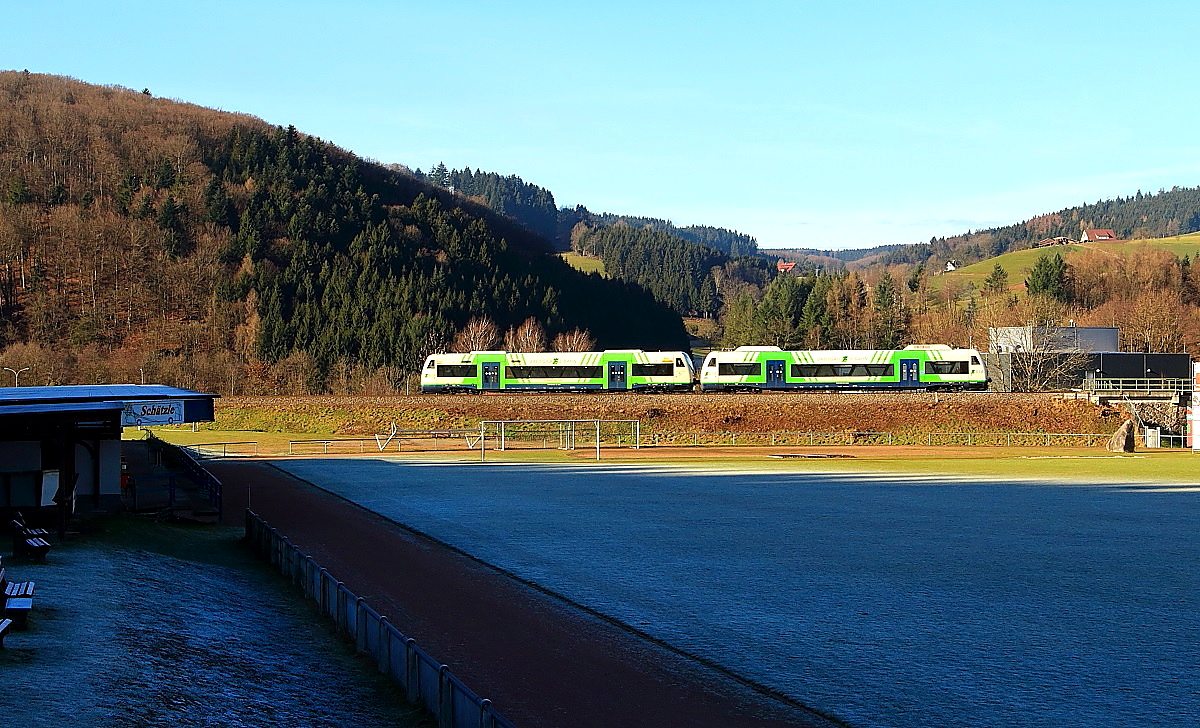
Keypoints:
pixel 884 599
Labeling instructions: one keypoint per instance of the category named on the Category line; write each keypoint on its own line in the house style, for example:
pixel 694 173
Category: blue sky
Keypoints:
pixel 804 124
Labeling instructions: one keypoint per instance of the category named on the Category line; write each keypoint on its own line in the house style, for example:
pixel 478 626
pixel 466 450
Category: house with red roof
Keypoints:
pixel 1098 235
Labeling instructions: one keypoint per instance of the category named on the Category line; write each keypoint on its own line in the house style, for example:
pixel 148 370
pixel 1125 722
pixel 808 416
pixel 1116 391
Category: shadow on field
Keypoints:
pixel 149 623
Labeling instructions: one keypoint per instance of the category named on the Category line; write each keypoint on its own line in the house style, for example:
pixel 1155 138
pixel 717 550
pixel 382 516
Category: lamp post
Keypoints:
pixel 16 374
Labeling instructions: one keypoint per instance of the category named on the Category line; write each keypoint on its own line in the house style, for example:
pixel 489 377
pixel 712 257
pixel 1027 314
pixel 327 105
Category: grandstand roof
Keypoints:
pixel 96 393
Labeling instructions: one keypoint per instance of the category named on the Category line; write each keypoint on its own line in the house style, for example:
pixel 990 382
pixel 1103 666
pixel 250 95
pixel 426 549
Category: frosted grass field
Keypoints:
pixel 124 634
pixel 885 601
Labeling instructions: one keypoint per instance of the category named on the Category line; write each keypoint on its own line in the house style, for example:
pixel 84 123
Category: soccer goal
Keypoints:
pixel 560 434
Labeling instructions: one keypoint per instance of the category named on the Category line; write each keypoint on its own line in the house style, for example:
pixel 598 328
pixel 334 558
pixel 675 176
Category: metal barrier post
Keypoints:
pixel 445 698
pixel 450 691
pixel 384 658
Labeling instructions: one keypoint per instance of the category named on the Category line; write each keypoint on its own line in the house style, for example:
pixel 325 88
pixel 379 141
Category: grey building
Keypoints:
pixel 1052 339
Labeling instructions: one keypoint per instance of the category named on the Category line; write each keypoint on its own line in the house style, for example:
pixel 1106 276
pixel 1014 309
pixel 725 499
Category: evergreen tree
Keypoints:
pixel 1048 277
pixel 815 319
pixel 741 325
pixel 997 281
pixel 440 175
pixel 888 317
pixel 914 280
pixel 18 191
pixel 778 316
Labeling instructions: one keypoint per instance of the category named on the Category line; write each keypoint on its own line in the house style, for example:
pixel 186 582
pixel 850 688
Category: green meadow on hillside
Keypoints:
pixel 584 263
pixel 1019 262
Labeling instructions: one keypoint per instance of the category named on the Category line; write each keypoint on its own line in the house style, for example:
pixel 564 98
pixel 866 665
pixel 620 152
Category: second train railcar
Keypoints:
pixel 607 371
pixel 927 366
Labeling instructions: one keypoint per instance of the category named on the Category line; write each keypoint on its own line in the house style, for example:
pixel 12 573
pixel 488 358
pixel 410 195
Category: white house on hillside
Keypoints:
pixel 1097 235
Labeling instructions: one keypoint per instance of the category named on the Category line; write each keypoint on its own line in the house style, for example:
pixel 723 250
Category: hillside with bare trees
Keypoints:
pixel 145 238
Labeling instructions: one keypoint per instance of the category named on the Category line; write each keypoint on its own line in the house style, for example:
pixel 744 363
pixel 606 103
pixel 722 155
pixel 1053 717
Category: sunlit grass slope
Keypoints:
pixel 584 263
pixel 1019 262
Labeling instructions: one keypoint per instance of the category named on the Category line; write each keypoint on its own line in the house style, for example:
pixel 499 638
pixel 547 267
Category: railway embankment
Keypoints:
pixel 807 412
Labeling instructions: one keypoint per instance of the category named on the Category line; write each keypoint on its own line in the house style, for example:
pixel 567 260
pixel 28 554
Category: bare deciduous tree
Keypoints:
pixel 1154 323
pixel 528 337
pixel 1047 371
pixel 574 340
pixel 480 334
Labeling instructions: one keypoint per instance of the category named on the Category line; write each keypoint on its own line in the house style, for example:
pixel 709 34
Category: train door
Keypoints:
pixel 775 373
pixel 910 373
pixel 491 375
pixel 616 376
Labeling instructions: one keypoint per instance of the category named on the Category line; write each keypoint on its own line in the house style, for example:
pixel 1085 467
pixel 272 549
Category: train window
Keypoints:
pixel 653 370
pixel 946 367
pixel 431 364
pixel 975 360
pixel 555 371
pixel 457 370
pixel 711 362
pixel 740 370
pixel 678 362
pixel 842 370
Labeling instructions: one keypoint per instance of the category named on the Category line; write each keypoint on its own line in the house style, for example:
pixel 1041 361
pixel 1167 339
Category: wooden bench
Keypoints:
pixel 29 541
pixel 5 625
pixel 19 526
pixel 21 589
pixel 17 609
pixel 35 547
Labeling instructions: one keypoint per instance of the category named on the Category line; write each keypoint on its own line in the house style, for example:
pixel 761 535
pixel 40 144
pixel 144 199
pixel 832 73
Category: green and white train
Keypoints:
pixel 604 371
pixel 926 366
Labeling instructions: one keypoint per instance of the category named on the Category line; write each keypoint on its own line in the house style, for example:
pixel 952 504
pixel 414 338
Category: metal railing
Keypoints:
pixel 1143 384
pixel 248 448
pixel 772 439
pixel 813 439
pixel 208 483
pixel 1017 439
pixel 509 439
pixel 424 680
pixel 379 443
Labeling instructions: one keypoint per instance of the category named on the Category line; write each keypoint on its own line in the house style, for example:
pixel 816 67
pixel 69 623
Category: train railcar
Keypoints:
pixel 925 366
pixel 564 371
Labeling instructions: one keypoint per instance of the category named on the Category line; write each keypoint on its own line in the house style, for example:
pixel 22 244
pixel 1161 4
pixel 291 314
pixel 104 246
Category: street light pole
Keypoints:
pixel 16 374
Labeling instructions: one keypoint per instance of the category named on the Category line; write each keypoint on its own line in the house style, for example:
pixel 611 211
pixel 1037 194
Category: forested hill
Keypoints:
pixel 146 237
pixel 1169 212
pixel 526 203
pixel 723 240
pixel 694 279
pixel 534 207
pixel 689 268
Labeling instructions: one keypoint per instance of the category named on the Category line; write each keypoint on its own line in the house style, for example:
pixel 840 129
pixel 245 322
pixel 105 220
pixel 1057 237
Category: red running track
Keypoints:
pixel 542 662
